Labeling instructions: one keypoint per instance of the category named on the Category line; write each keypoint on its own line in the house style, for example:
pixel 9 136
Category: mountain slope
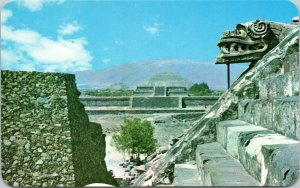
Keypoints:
pixel 132 74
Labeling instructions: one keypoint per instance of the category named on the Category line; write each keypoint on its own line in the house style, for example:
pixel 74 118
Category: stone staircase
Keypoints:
pixel 217 168
pixel 244 155
pixel 261 146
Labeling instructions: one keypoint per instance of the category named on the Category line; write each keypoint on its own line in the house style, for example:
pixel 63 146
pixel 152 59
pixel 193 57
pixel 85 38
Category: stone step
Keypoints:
pixel 278 114
pixel 218 168
pixel 186 175
pixel 269 157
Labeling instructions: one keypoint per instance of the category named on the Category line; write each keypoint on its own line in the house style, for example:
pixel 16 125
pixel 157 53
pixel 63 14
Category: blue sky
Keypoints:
pixel 65 36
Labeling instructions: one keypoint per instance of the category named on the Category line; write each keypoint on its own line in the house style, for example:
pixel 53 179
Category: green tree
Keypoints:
pixel 136 138
pixel 200 89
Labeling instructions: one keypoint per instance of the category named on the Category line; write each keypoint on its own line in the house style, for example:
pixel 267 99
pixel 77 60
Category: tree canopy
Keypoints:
pixel 199 89
pixel 135 138
pixel 202 89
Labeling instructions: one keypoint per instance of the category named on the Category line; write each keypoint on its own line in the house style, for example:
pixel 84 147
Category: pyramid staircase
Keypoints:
pixel 261 146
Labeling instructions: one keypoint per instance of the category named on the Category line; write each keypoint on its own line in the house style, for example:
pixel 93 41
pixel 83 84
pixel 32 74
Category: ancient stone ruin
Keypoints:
pixel 250 136
pixel 47 139
pixel 165 93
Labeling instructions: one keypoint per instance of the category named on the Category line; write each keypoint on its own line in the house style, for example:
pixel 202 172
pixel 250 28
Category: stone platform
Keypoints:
pixel 147 105
pixel 97 110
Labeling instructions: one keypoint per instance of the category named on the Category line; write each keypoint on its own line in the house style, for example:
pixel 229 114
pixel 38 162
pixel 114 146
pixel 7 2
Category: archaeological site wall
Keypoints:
pixel 106 101
pixel 155 102
pixel 47 139
pixel 150 102
pixel 192 102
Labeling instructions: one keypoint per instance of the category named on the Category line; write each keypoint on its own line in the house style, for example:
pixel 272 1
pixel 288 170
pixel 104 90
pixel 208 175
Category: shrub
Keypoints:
pixel 135 138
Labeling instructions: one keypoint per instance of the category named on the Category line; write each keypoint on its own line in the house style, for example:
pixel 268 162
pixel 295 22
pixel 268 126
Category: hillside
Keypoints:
pixel 132 74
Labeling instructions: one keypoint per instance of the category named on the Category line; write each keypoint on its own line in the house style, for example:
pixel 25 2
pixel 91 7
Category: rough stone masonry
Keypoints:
pixel 47 139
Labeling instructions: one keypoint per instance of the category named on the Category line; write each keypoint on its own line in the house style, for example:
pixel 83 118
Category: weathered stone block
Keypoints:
pixel 222 128
pixel 263 113
pixel 186 175
pixel 253 159
pixel 283 170
pixel 246 110
pixel 233 135
pixel 274 86
pixel 285 116
pixel 217 168
pixel 294 76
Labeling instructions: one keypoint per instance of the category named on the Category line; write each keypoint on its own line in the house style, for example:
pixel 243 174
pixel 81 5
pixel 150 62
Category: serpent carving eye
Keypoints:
pixel 259 29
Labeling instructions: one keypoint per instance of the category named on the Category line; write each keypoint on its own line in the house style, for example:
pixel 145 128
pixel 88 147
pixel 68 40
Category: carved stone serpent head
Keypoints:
pixel 250 41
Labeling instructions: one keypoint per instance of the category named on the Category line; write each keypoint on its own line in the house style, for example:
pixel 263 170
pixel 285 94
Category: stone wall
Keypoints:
pixel 150 102
pixel 192 102
pixel 155 102
pixel 105 101
pixel 47 139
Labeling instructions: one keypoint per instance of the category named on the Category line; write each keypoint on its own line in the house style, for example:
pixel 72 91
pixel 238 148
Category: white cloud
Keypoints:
pixel 5 14
pixel 36 5
pixel 25 49
pixel 68 29
pixel 152 29
pixel 106 61
pixel 25 37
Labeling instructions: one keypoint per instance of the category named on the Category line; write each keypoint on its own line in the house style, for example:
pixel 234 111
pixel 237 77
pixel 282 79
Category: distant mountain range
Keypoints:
pixel 133 74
